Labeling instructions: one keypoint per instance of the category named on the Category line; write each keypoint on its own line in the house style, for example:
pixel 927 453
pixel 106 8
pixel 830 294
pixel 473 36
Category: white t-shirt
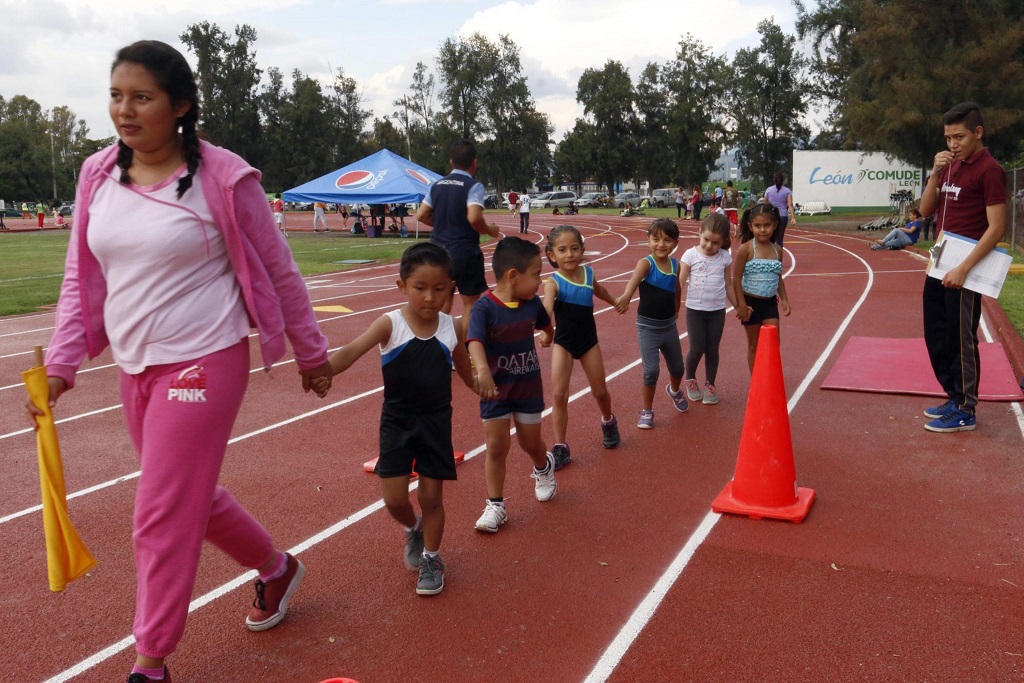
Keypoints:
pixel 172 295
pixel 706 291
pixel 524 203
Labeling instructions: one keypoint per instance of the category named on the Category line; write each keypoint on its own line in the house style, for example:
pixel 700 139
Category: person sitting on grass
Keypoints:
pixel 628 211
pixel 902 237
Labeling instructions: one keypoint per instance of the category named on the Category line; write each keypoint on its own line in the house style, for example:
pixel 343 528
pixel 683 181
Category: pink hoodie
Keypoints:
pixel 273 290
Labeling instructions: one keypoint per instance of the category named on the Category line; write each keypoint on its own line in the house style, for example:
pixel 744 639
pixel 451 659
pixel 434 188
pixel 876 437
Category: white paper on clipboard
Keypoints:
pixel 986 277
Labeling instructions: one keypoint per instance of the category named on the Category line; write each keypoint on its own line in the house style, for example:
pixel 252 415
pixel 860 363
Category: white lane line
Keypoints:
pixel 1014 406
pixel 649 605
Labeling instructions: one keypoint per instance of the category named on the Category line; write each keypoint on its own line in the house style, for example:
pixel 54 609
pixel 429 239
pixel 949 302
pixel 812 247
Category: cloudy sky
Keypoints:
pixel 58 52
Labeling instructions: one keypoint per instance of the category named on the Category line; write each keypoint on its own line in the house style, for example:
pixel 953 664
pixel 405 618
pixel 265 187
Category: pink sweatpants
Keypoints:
pixel 180 418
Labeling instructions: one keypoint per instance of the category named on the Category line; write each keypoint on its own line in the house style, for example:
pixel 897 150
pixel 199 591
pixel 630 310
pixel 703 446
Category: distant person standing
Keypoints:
pixel 319 216
pixel 277 206
pixel 454 208
pixel 513 199
pixel 731 201
pixel 781 197
pixel 965 195
pixel 3 206
pixel 524 213
pixel 698 202
pixel 40 214
pixel 680 198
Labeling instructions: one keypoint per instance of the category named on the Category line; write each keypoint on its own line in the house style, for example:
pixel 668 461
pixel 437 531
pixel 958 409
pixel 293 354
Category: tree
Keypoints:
pixel 607 98
pixel 656 153
pixel 67 135
pixel 769 91
pixel 417 113
pixel 574 158
pixel 25 161
pixel 487 100
pixel 228 80
pixel 697 122
pixel 891 69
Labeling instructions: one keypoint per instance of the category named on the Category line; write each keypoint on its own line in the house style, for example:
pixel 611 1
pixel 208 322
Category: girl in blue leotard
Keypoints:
pixel 758 287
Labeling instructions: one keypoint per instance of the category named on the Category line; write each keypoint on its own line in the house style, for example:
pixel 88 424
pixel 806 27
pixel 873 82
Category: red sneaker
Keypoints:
pixel 272 597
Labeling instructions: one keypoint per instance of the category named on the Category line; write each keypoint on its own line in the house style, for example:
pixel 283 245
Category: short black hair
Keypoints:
pixel 967 113
pixel 513 253
pixel 425 254
pixel 462 154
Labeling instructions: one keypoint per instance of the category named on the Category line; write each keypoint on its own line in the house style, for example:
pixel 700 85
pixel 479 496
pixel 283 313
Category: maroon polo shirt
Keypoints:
pixel 965 189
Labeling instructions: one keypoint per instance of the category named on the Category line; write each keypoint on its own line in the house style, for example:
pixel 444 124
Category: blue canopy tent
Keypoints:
pixel 381 178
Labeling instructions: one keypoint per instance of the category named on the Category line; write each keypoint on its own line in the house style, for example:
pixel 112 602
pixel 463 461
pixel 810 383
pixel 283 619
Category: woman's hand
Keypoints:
pixel 57 387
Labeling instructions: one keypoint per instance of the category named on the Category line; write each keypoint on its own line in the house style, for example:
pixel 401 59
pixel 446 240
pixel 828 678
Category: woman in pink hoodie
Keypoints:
pixel 174 258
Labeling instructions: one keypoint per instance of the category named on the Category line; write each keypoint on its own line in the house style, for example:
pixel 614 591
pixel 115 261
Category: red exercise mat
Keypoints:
pixel 901 366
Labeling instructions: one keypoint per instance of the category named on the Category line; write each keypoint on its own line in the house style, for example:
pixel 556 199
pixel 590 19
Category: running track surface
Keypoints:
pixel 909 566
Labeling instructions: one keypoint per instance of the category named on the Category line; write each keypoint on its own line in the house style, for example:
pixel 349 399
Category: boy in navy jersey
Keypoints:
pixel 418 345
pixel 966 192
pixel 508 372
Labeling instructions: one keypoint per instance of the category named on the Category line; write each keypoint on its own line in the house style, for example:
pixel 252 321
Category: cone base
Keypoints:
pixel 725 502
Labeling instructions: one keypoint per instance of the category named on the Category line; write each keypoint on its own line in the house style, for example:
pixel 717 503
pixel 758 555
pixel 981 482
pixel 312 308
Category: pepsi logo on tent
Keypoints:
pixel 351 180
pixel 418 176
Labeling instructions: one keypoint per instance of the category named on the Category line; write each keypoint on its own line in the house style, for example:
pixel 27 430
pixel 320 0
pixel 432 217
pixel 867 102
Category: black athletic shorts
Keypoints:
pixel 761 309
pixel 469 268
pixel 420 443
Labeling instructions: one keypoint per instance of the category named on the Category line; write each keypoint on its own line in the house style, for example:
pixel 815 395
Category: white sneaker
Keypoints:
pixel 493 517
pixel 545 484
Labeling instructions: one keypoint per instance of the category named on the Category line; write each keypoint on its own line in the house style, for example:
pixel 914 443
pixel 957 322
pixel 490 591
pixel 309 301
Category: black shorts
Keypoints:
pixel 420 443
pixel 761 309
pixel 468 260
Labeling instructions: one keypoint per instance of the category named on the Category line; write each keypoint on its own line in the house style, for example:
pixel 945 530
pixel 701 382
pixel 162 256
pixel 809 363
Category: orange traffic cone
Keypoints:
pixel 764 483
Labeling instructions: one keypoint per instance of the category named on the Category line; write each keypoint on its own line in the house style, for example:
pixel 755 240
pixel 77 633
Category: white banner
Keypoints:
pixel 851 178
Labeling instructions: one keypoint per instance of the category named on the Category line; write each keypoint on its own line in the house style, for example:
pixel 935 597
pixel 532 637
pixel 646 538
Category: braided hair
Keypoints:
pixel 175 77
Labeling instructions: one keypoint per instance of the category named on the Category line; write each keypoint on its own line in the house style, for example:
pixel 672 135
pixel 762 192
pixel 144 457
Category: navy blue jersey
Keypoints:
pixel 506 331
pixel 449 197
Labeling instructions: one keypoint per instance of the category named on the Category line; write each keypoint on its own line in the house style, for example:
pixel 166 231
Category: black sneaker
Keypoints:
pixel 562 457
pixel 610 433
pixel 140 678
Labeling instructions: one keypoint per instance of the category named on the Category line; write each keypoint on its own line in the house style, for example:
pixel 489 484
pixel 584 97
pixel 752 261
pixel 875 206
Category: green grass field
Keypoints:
pixel 32 264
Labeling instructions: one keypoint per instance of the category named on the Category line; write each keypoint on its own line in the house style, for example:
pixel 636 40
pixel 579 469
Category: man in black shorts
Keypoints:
pixel 454 207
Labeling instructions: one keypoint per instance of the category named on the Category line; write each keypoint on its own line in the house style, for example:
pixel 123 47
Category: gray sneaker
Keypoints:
pixel 693 391
pixel 431 581
pixel 610 433
pixel 561 453
pixel 646 420
pixel 414 546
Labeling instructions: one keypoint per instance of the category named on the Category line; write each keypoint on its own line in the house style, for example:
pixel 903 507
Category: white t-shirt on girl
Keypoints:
pixel 172 295
pixel 706 291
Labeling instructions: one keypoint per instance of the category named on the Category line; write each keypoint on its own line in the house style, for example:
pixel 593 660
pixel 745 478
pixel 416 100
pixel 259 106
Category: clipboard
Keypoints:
pixel 986 277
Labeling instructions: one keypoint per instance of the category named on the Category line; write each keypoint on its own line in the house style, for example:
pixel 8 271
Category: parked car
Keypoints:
pixel 542 197
pixel 10 212
pixel 549 200
pixel 622 198
pixel 663 197
pixel 591 199
pixel 491 201
pixel 67 209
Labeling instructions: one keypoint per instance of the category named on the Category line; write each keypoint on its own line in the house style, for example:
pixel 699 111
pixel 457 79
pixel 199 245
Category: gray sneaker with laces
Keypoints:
pixel 431 581
pixel 562 456
pixel 414 546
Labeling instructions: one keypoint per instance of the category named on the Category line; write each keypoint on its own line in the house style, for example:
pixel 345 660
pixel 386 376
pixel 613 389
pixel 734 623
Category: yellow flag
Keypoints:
pixel 67 558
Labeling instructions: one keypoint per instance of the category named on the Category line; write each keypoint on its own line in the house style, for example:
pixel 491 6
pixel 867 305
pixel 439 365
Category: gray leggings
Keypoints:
pixel 657 336
pixel 705 333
